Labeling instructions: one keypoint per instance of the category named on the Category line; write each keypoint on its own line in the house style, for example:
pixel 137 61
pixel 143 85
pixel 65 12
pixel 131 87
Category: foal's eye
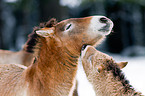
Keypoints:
pixel 68 26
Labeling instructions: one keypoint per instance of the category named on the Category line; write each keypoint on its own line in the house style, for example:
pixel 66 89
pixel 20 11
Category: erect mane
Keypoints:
pixel 33 37
pixel 117 73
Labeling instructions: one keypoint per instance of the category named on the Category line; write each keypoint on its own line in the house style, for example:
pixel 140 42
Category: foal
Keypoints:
pixel 105 74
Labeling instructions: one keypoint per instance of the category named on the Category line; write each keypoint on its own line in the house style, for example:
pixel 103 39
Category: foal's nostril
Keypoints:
pixel 103 20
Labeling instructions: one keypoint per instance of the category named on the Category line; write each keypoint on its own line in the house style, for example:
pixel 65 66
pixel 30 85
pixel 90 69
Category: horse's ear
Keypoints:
pixel 45 32
pixel 122 64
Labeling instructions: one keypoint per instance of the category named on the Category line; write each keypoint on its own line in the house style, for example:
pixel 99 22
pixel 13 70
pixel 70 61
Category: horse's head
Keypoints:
pixel 75 32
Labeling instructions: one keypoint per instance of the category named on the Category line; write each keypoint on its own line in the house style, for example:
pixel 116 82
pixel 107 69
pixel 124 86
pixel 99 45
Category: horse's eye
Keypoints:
pixel 68 26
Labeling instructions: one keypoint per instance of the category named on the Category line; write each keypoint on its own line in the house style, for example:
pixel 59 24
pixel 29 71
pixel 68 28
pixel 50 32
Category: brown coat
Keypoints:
pixel 56 48
pixel 20 57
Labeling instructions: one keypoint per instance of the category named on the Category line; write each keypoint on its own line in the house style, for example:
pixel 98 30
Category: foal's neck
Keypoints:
pixel 114 83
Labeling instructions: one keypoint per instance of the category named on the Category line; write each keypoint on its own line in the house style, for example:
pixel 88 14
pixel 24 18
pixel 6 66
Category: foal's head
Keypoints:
pixel 99 61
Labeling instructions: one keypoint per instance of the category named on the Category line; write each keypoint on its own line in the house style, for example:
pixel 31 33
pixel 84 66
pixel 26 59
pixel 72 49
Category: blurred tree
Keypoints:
pixel 128 22
pixel 6 25
pixel 114 12
pixel 1 40
pixel 26 14
pixel 143 11
pixel 18 19
pixel 21 16
pixel 143 23
pixel 87 8
pixel 128 17
pixel 52 9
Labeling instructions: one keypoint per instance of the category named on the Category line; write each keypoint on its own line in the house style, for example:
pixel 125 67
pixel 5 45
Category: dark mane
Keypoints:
pixel 111 66
pixel 33 37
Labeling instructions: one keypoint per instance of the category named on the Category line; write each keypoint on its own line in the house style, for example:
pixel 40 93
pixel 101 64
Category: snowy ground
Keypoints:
pixel 134 72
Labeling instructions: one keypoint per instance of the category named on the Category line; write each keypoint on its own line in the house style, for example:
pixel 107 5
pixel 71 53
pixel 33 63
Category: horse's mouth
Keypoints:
pixel 84 46
pixel 105 28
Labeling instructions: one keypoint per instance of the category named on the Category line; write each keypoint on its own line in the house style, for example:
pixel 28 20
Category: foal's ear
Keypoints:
pixel 100 68
pixel 45 32
pixel 122 64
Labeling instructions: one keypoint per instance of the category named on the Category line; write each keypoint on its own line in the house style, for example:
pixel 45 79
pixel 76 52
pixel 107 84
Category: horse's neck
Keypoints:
pixel 54 69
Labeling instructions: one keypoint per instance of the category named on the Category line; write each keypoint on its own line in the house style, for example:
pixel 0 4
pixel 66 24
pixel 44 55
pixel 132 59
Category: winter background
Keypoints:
pixel 125 43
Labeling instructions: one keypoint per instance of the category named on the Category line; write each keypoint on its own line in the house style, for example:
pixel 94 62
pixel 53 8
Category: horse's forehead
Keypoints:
pixel 75 20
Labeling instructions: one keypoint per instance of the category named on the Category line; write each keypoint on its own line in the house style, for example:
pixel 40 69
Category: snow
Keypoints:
pixel 84 87
pixel 134 72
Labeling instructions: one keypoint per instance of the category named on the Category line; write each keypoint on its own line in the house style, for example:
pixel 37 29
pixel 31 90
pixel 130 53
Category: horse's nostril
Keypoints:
pixel 103 20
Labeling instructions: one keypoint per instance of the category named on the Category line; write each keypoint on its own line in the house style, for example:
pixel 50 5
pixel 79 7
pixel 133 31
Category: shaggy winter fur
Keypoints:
pixel 105 74
pixel 56 49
